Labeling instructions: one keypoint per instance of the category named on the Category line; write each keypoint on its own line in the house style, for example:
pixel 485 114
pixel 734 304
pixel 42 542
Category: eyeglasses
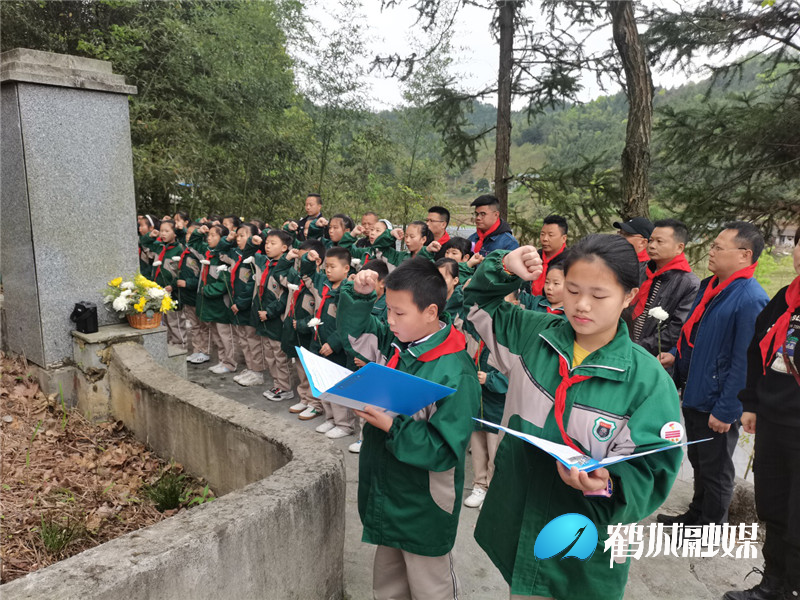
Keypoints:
pixel 717 248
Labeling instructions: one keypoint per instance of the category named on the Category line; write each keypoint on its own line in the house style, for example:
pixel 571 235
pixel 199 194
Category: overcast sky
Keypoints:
pixel 391 31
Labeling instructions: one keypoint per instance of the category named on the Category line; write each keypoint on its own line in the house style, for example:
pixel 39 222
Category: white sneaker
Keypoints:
pixel 325 427
pixel 475 499
pixel 242 375
pixel 220 369
pixel 199 358
pixel 252 378
pixel 298 408
pixel 276 394
pixel 191 358
pixel 336 433
pixel 310 413
pixel 355 447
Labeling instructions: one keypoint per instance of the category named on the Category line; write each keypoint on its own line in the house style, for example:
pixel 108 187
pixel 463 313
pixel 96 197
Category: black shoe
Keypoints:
pixel 770 588
pixel 687 518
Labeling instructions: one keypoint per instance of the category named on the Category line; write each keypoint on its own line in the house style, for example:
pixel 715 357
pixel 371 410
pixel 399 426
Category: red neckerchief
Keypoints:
pixel 366 258
pixel 561 398
pixel 453 343
pixel 183 256
pixel 554 311
pixel 295 296
pixel 482 236
pixel 537 287
pixel 161 258
pixel 777 333
pixel 643 256
pixel 233 271
pixel 264 276
pixel 204 271
pixel 326 293
pixel 478 353
pixel 445 238
pixel 679 263
pixel 712 289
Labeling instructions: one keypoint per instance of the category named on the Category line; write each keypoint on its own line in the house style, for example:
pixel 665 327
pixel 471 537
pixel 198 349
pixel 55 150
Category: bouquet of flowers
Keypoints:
pixel 140 296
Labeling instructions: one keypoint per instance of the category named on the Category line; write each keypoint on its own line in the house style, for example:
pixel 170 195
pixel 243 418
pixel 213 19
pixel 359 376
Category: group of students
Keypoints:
pixel 533 340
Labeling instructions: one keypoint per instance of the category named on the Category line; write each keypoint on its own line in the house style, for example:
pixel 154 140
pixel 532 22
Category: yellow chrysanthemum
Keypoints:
pixel 166 304
pixel 139 306
pixel 115 282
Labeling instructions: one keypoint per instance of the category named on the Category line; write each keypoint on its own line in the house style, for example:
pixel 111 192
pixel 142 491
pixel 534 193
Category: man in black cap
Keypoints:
pixel 637 231
pixel 492 233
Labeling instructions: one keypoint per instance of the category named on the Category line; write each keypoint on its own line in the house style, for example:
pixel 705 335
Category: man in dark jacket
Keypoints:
pixel 712 365
pixel 313 206
pixel 669 284
pixel 492 233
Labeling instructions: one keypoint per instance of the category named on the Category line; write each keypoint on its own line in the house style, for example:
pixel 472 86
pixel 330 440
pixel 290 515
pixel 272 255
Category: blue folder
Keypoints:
pixel 374 384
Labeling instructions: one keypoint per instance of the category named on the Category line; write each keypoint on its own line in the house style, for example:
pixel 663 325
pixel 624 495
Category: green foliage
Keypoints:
pixel 57 534
pixel 167 492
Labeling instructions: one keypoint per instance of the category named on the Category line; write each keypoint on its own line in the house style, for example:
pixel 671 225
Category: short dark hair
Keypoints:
pixel 317 196
pixel 679 230
pixel 748 236
pixel 183 215
pixel 221 229
pixel 614 250
pixel 486 200
pixel 449 264
pixel 214 217
pixel 342 254
pixel 557 220
pixel 370 213
pixel 459 243
pixel 316 245
pixel 285 238
pixel 254 230
pixel 169 222
pixel 348 222
pixel 236 220
pixel 259 223
pixel 154 222
pixel 380 267
pixel 556 264
pixel 420 277
pixel 442 212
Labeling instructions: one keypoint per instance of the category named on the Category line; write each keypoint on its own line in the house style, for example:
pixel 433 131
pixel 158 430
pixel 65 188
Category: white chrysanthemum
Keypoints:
pixel 354 262
pixel 314 323
pixel 222 268
pixel 126 285
pixel 203 261
pixel 176 259
pixel 292 287
pixel 658 313
pixel 126 293
pixel 156 293
pixel 156 263
pixel 120 303
pixel 248 260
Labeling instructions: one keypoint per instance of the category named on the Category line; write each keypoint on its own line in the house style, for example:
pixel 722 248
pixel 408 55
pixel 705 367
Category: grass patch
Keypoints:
pixel 57 534
pixel 167 492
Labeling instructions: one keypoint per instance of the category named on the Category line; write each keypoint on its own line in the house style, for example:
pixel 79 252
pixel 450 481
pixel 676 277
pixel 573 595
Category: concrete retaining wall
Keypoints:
pixel 277 533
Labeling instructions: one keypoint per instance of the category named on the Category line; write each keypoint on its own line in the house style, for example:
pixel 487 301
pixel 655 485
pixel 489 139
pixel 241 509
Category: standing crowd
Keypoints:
pixel 587 345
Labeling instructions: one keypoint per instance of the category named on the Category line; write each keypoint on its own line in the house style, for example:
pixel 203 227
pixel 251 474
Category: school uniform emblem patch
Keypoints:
pixel 672 432
pixel 603 429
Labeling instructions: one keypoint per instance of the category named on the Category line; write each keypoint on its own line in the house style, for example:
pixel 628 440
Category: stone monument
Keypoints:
pixel 67 206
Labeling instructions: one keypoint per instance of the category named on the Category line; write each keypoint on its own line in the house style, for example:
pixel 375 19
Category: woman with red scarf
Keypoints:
pixel 771 402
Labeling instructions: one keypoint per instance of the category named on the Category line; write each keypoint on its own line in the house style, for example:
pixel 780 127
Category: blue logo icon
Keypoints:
pixel 571 535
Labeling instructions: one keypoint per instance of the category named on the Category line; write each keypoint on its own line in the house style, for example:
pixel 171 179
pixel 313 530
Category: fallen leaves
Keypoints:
pixel 58 467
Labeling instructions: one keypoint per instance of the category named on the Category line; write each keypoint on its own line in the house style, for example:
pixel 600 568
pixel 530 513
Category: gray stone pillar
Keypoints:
pixel 67 206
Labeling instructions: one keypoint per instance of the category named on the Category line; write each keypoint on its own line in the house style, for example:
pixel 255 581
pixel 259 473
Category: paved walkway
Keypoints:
pixel 662 578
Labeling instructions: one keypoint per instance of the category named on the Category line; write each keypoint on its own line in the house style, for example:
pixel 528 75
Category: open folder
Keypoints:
pixel 572 458
pixel 397 392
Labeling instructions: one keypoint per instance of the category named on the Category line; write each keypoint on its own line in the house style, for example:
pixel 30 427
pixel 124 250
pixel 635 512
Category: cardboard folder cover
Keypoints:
pixel 572 458
pixel 397 392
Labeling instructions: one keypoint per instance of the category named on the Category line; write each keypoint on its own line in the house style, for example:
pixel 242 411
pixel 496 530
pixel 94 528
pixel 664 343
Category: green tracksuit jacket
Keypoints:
pixel 300 308
pixel 269 295
pixel 411 479
pixel 621 409
pixel 167 272
pixel 385 241
pixel 327 297
pixel 493 392
pixel 188 270
pixel 539 304
pixel 146 255
pixel 213 297
pixel 241 283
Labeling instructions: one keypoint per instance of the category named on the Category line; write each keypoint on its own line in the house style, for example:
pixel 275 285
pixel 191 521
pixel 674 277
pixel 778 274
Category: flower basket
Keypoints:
pixel 142 321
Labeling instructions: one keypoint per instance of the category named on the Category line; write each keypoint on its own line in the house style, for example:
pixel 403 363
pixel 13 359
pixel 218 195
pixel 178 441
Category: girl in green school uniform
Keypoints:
pixel 579 382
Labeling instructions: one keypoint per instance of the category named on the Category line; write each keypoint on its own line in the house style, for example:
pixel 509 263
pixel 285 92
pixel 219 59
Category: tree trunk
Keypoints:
pixel 503 147
pixel 639 89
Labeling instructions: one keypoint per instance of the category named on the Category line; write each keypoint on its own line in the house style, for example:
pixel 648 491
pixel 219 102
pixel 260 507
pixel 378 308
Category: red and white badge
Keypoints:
pixel 672 432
